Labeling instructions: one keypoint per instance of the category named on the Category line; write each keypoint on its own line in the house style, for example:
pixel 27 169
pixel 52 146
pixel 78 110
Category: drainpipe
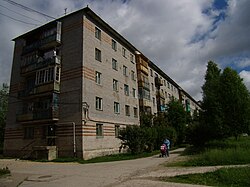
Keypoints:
pixel 74 138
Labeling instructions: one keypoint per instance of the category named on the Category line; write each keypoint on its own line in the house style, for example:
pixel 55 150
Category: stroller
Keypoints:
pixel 163 149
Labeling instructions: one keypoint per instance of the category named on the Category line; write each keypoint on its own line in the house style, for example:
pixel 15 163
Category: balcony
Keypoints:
pixel 144 84
pixel 145 102
pixel 142 68
pixel 50 41
pixel 38 65
pixel 39 115
pixel 32 47
pixel 161 95
pixel 39 89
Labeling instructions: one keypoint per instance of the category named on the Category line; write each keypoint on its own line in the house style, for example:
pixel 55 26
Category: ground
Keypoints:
pixel 138 172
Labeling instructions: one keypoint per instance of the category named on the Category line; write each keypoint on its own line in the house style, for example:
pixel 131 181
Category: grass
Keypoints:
pixel 228 152
pixel 222 177
pixel 4 171
pixel 109 158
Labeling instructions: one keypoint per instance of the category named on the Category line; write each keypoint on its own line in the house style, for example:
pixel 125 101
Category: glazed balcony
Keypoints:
pixel 39 115
pixel 56 60
pixel 144 84
pixel 40 89
pixel 145 102
pixel 50 41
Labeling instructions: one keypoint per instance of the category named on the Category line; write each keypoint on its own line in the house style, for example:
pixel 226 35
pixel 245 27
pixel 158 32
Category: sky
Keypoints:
pixel 180 36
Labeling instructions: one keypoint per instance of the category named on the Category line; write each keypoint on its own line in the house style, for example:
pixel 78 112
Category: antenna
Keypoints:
pixel 65 11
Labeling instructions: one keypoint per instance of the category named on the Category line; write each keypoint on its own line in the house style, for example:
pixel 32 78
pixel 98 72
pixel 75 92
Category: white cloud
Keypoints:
pixel 246 78
pixel 164 30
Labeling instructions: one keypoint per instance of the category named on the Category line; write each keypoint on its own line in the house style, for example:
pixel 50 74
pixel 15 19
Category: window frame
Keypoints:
pixel 99 130
pixel 115 85
pixel 114 45
pixel 125 70
pixel 127 110
pixel 126 89
pixel 135 112
pixel 98 103
pixel 98 77
pixel 114 64
pixel 98 34
pixel 116 108
pixel 98 54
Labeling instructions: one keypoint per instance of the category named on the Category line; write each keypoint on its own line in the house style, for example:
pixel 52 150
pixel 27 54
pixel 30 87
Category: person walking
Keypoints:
pixel 167 143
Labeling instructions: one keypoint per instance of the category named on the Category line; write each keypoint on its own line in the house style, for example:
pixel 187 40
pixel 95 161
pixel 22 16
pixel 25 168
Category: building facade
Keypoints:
pixel 75 82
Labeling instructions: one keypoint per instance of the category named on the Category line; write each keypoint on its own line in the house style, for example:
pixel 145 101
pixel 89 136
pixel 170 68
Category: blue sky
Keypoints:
pixel 179 36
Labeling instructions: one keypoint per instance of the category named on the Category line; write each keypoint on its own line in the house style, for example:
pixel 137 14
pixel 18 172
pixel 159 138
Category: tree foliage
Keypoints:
pixel 226 107
pixel 235 102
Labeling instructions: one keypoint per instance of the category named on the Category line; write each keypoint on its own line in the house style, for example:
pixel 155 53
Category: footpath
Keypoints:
pixel 130 173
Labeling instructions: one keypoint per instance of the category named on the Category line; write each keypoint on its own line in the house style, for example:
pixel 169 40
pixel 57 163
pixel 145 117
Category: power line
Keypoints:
pixel 27 8
pixel 21 14
pixel 18 20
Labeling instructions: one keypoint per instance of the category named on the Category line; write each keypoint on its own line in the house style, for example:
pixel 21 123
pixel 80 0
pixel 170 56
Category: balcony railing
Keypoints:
pixel 49 41
pixel 144 84
pixel 39 115
pixel 49 87
pixel 37 65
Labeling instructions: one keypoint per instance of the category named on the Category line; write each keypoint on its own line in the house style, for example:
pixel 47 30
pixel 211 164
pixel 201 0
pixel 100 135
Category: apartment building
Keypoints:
pixel 75 82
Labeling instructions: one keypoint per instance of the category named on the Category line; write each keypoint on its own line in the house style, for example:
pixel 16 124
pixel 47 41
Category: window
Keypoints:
pixel 57 74
pixel 99 130
pixel 114 45
pixel 127 110
pixel 168 85
pixel 172 88
pixel 98 55
pixel 114 64
pixel 116 108
pixel 115 85
pixel 98 33
pixel 125 70
pixel 153 101
pixel 152 85
pixel 47 75
pixel 151 72
pixel 135 112
pixel 98 77
pixel 117 130
pixel 126 89
pixel 132 75
pixel 164 82
pixel 124 52
pixel 28 132
pixel 132 58
pixel 134 92
pixel 98 103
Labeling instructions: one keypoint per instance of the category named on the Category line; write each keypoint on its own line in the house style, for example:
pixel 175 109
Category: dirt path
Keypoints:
pixel 138 172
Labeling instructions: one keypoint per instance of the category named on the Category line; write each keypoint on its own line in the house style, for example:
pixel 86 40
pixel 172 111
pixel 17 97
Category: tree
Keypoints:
pixel 211 105
pixel 235 103
pixel 177 116
pixel 3 110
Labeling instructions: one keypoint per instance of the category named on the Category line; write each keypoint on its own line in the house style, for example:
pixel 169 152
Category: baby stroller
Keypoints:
pixel 163 149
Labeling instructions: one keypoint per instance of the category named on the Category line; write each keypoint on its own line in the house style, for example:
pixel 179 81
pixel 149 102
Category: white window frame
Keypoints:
pixel 115 85
pixel 116 108
pixel 114 45
pixel 126 89
pixel 125 70
pixel 114 64
pixel 98 33
pixel 98 54
pixel 98 77
pixel 98 103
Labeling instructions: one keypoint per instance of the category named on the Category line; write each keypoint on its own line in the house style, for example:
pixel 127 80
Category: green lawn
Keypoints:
pixel 222 177
pixel 228 152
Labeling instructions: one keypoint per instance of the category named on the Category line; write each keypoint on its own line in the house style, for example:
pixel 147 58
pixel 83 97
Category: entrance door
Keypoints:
pixel 51 135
